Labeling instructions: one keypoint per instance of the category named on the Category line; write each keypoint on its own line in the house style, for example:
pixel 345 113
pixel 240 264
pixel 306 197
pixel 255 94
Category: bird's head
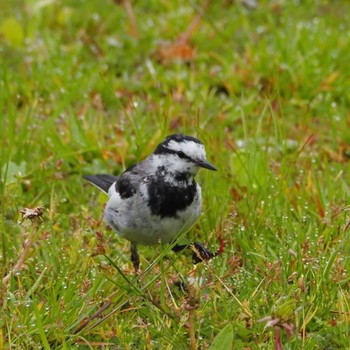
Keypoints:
pixel 182 154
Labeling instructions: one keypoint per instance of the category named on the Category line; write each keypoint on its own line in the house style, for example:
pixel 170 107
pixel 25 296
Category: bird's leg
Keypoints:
pixel 179 248
pixel 199 252
pixel 135 258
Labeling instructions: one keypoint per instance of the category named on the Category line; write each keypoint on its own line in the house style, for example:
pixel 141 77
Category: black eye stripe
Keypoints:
pixel 165 150
pixel 182 155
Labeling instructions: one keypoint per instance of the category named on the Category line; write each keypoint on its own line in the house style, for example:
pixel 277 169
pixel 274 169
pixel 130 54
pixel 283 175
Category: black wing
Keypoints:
pixel 127 184
pixel 102 181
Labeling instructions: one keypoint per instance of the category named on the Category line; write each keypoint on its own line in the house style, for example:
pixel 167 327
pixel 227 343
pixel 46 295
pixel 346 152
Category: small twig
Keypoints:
pixel 191 329
pixel 308 141
pixel 18 266
pixel 277 338
pixel 184 37
pixel 98 313
pixel 112 312
pixel 34 215
pixel 131 16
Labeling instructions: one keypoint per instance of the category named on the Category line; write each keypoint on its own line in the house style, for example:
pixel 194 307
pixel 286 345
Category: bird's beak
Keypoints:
pixel 205 164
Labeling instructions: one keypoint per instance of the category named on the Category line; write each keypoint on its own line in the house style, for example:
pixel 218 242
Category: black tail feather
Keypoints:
pixel 101 181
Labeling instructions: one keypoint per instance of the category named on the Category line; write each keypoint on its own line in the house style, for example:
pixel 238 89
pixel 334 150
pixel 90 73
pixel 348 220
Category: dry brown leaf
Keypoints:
pixel 327 83
pixel 168 52
pixel 31 214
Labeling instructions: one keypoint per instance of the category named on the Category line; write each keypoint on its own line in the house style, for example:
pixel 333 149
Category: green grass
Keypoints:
pixel 267 92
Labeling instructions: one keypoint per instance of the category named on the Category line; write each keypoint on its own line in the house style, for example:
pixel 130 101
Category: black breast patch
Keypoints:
pixel 165 200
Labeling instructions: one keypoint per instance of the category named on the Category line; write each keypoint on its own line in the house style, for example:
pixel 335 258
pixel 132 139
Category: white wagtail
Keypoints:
pixel 154 200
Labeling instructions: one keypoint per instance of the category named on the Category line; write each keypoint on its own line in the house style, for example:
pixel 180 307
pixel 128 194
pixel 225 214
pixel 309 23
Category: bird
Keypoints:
pixel 153 201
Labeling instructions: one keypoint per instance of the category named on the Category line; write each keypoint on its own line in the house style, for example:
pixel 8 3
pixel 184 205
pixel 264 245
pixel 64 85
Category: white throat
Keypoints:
pixel 173 165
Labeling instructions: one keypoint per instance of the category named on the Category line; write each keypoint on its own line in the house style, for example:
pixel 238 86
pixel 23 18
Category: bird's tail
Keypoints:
pixel 101 181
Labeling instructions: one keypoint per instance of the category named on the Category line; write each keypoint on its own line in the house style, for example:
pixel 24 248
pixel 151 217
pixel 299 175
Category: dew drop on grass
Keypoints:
pixel 95 16
pixel 114 42
pixel 299 309
pixel 260 29
pixel 240 143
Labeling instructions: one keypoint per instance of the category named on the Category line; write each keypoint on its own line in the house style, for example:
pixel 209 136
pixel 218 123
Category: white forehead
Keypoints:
pixel 190 148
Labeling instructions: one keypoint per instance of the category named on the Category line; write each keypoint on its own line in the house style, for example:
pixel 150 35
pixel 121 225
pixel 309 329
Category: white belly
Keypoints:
pixel 132 219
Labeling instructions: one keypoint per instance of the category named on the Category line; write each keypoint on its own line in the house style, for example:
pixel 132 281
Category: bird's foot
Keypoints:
pixel 200 253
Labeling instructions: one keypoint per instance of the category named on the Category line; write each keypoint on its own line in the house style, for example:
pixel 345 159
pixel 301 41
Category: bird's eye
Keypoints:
pixel 181 154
